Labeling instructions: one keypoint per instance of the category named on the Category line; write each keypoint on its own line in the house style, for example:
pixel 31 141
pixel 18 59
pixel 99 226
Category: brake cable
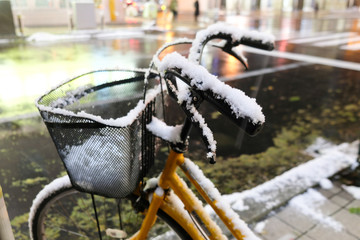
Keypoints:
pixel 193 116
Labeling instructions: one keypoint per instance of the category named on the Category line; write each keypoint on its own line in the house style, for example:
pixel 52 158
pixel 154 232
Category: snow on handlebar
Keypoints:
pixel 234 35
pixel 241 105
pixel 196 80
pixel 233 102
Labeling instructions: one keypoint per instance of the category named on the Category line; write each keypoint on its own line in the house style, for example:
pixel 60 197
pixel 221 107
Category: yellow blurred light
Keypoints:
pixel 163 7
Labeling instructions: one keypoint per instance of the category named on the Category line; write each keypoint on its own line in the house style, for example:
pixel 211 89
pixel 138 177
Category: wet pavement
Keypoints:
pixel 312 78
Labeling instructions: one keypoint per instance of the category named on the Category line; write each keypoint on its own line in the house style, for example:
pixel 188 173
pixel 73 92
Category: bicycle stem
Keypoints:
pixel 181 147
pixel 193 102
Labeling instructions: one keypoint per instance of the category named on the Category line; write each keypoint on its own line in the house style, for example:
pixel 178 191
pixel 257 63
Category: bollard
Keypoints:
pixel 71 22
pixel 5 226
pixel 102 21
pixel 21 29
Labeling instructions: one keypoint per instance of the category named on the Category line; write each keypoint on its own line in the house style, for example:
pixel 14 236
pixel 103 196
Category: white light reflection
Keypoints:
pixel 11 87
pixel 35 85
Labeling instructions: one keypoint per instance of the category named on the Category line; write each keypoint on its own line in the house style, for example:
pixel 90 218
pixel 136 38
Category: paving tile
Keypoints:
pixel 328 207
pixel 354 204
pixel 325 233
pixel 276 229
pixel 346 195
pixel 339 201
pixel 288 236
pixel 295 219
pixel 350 221
pixel 304 237
pixel 329 192
pixel 325 192
pixel 337 184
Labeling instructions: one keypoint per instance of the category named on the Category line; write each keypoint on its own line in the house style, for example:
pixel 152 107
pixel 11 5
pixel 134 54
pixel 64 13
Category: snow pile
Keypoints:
pixel 48 37
pixel 118 34
pixel 325 183
pixel 260 226
pixel 309 203
pixel 332 160
pixel 318 146
pixel 353 190
pixel 5 41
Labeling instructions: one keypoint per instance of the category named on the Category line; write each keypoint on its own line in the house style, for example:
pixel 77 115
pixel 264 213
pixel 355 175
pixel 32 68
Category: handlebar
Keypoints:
pixel 224 105
pixel 243 110
pixel 230 101
pixel 201 85
pixel 233 36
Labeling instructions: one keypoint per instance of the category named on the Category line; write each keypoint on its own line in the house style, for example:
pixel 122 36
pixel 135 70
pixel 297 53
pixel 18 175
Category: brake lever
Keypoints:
pixel 229 48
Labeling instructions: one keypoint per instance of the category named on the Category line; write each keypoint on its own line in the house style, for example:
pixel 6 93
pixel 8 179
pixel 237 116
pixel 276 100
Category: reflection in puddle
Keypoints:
pixel 29 71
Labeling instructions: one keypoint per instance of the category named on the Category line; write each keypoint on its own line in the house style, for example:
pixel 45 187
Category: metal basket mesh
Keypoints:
pixel 101 158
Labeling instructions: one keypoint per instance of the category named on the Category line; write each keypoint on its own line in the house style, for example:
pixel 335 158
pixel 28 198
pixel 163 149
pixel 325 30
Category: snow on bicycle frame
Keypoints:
pixel 96 121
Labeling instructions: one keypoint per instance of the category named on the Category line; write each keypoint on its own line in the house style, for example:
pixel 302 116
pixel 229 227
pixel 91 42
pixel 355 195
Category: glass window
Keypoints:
pixel 19 3
pixel 41 3
pixel 63 3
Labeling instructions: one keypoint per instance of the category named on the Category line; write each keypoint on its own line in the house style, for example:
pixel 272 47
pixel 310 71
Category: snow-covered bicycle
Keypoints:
pixel 104 126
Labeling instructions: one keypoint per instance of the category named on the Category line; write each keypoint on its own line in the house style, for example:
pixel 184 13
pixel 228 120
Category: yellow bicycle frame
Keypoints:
pixel 169 179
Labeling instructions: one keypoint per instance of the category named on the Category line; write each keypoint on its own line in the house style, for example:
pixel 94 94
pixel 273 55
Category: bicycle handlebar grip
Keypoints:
pixel 224 107
pixel 269 46
pixel 233 36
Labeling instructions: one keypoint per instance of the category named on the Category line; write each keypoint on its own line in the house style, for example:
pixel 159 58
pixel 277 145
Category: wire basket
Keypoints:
pixel 97 122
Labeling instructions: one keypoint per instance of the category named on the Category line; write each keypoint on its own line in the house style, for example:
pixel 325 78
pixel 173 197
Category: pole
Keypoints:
pixel 20 24
pixel 5 226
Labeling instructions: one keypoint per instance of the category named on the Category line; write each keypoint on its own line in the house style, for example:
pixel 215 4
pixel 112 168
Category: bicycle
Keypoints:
pixel 104 157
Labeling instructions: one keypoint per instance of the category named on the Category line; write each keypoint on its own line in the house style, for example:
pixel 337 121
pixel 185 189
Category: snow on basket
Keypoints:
pixel 97 122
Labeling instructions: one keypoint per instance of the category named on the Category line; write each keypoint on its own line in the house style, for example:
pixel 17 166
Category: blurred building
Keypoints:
pixel 239 6
pixel 61 12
